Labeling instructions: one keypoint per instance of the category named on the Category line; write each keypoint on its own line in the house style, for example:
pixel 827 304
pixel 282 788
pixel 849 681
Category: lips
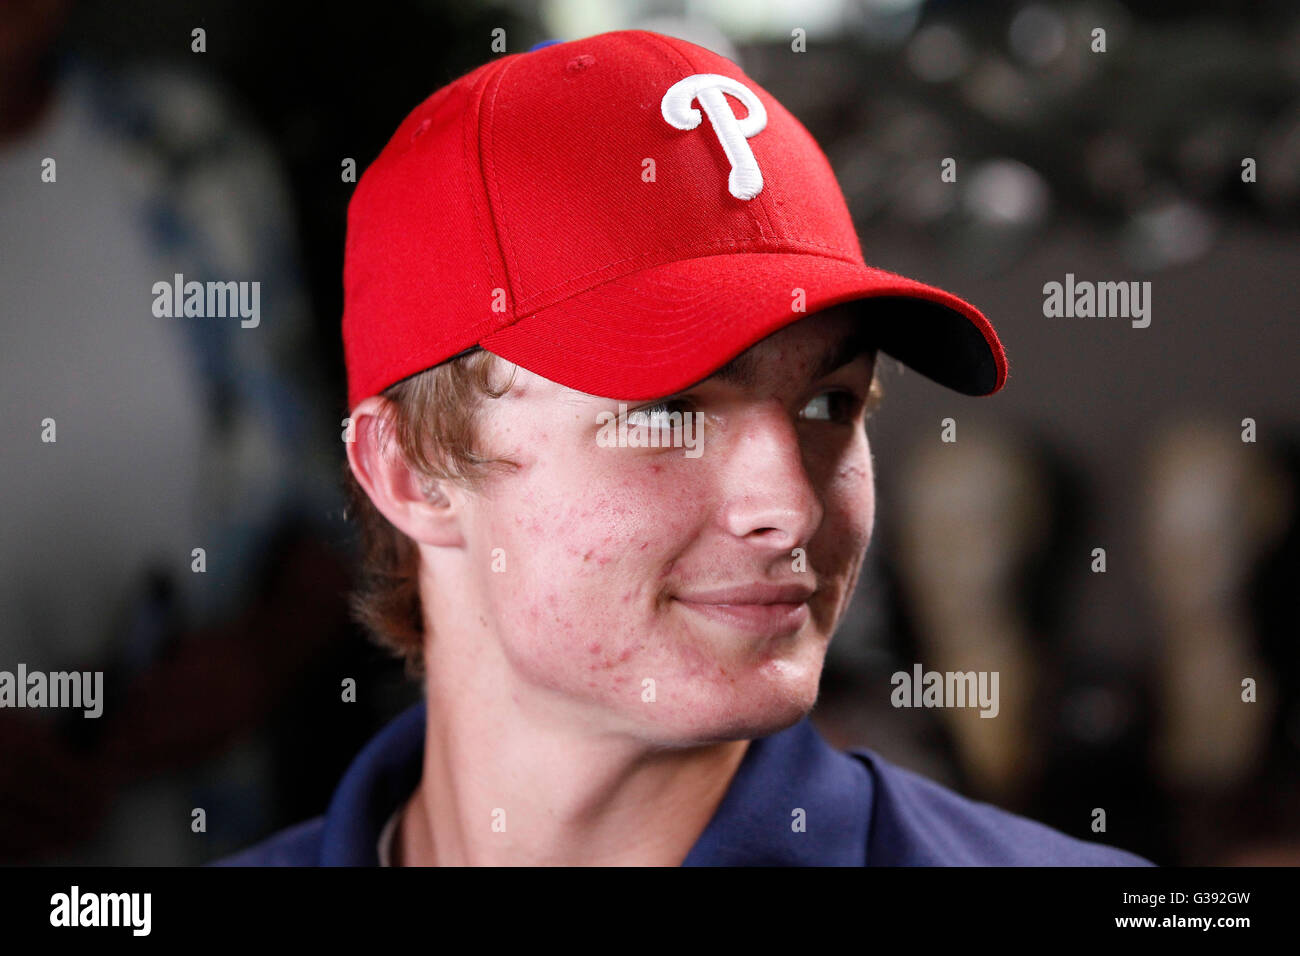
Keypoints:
pixel 764 609
pixel 752 594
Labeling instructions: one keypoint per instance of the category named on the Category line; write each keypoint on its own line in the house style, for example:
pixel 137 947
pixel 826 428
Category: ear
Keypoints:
pixel 432 517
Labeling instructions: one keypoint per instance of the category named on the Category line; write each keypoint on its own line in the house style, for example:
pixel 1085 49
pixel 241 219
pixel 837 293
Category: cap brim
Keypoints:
pixel 662 329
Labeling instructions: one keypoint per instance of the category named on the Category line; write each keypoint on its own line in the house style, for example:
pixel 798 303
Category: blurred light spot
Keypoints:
pixel 938 53
pixel 1114 167
pixel 912 129
pixel 922 196
pixel 772 20
pixel 999 90
pixel 1279 154
pixel 882 22
pixel 1007 193
pixel 1168 233
pixel 891 6
pixel 1037 35
pixel 572 19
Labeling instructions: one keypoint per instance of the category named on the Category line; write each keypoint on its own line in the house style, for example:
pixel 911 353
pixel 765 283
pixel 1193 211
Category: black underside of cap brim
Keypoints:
pixel 939 342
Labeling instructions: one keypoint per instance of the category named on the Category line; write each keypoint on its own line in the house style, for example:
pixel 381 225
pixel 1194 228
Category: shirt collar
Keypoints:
pixel 794 801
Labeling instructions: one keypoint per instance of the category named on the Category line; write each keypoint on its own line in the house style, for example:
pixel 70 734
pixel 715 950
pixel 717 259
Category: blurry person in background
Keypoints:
pixel 990 532
pixel 970 514
pixel 1217 515
pixel 131 440
pixel 1273 836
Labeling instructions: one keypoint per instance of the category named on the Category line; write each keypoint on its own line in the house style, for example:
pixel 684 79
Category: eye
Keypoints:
pixel 837 405
pixel 664 416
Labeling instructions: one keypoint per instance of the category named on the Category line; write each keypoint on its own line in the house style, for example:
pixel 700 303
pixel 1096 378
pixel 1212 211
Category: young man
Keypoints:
pixel 611 342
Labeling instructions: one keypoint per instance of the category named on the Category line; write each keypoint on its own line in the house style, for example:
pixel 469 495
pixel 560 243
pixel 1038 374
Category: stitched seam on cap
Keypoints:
pixel 504 239
pixel 493 77
pixel 765 195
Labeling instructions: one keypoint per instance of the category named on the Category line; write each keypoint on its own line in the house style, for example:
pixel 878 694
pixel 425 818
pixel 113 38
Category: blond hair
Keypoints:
pixel 433 417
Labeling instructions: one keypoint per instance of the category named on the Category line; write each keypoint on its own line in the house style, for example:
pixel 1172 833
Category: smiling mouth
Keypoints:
pixel 765 620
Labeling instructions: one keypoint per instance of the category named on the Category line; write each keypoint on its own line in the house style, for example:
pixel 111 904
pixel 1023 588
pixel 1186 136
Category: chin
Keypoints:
pixel 778 693
pixel 760 708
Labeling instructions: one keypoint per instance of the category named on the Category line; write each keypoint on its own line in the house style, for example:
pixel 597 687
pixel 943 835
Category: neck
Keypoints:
pixel 507 784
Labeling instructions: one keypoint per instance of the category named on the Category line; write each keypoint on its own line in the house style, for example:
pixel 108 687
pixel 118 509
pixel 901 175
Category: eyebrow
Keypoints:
pixel 742 371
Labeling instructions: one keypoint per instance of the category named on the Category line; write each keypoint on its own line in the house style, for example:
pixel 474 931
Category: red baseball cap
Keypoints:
pixel 621 214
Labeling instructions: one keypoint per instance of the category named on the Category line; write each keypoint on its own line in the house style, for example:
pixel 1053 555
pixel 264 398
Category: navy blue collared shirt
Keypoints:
pixel 858 810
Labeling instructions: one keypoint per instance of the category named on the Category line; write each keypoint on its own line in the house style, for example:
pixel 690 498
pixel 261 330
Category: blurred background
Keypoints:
pixel 1120 689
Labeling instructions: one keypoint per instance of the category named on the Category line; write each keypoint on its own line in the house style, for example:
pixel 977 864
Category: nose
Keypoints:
pixel 770 501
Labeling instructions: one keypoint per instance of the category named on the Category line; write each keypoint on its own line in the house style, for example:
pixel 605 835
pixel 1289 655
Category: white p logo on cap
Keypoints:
pixel 745 180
